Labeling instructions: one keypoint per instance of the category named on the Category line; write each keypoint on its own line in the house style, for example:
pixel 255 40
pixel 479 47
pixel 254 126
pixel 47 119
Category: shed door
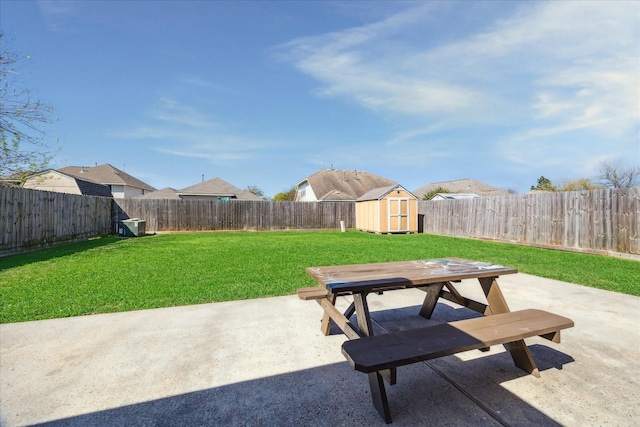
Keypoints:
pixel 398 215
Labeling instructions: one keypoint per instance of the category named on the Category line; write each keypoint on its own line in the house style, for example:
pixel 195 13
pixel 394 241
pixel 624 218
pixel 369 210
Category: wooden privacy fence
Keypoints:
pixel 32 219
pixel 597 220
pixel 199 215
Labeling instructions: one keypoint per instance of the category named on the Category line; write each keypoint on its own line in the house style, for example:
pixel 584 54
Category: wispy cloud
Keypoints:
pixel 554 65
pixel 58 15
pixel 171 112
pixel 182 130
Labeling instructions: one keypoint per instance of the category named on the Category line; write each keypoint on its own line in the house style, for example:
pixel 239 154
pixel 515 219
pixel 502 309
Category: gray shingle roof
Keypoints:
pixel 218 187
pixel 467 185
pixel 89 188
pixel 105 174
pixel 165 193
pixel 335 184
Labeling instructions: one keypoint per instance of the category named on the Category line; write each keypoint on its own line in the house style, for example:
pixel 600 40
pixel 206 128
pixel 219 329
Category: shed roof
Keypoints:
pixel 466 185
pixel 379 193
pixel 336 184
pixel 105 174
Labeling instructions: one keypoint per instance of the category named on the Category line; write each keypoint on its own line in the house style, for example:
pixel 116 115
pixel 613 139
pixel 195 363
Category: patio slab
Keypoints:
pixel 265 362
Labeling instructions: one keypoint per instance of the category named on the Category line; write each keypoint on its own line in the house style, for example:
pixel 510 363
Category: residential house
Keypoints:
pixel 165 193
pixel 59 182
pixel 338 185
pixel 216 189
pixel 463 186
pixel 122 184
pixel 454 196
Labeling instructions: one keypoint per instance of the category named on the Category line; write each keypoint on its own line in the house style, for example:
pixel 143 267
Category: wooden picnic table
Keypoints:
pixel 436 277
pixel 379 356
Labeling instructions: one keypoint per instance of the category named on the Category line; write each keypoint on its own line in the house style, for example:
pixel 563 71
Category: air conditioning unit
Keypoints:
pixel 133 227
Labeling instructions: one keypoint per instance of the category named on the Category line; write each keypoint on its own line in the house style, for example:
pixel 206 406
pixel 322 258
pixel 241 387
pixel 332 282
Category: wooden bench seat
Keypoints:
pixel 388 351
pixel 315 292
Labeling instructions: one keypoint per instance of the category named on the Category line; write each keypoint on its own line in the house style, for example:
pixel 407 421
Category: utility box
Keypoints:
pixel 133 227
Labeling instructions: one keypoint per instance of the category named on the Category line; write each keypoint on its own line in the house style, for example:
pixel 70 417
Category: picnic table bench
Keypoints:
pixel 379 356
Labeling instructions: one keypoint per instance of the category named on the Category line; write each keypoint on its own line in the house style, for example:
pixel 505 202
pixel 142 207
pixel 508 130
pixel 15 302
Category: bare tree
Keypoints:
pixel 255 190
pixel 23 147
pixel 616 175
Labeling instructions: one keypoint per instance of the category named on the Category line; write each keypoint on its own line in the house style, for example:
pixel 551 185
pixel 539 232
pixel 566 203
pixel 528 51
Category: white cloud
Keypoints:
pixel 59 15
pixel 182 130
pixel 174 113
pixel 553 66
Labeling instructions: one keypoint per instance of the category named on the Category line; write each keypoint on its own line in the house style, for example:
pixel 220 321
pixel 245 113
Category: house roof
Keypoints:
pixel 466 185
pixel 105 174
pixel 89 188
pixel 217 187
pixel 335 184
pixel 165 193
pixel 454 196
pixel 86 188
pixel 379 193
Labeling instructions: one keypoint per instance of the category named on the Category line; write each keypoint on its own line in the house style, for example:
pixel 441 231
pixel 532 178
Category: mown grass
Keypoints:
pixel 111 274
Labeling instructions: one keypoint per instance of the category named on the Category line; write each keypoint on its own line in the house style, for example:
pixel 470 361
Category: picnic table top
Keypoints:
pixel 402 274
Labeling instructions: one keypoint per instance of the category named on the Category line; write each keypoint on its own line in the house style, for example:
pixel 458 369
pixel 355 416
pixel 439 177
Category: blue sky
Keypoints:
pixel 266 93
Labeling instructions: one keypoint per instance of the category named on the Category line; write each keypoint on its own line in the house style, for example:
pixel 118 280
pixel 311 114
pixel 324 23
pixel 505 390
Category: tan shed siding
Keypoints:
pixel 383 215
pixel 367 215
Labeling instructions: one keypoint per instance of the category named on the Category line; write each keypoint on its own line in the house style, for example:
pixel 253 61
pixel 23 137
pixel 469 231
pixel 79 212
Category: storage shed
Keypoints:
pixel 390 209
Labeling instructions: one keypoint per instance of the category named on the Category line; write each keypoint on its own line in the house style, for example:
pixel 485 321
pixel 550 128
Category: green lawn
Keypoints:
pixel 111 274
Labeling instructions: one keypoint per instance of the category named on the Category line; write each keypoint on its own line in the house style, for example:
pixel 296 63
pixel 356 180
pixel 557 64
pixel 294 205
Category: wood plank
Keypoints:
pixel 370 354
pixel 404 274
pixel 466 302
pixel 379 396
pixel 315 292
pixel 325 326
pixel 338 318
pixel 430 300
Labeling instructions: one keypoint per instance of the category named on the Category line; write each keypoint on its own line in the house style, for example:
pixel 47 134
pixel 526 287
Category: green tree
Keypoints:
pixel 544 184
pixel 616 175
pixel 23 147
pixel 286 195
pixel 430 194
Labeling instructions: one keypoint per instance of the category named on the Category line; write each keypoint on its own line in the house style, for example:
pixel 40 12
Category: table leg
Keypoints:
pixel 497 304
pixel 430 300
pixel 362 311
pixel 379 396
pixel 325 327
pixel 366 329
pixel 350 310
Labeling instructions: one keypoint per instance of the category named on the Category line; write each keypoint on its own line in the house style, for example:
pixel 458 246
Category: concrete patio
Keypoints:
pixel 265 362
